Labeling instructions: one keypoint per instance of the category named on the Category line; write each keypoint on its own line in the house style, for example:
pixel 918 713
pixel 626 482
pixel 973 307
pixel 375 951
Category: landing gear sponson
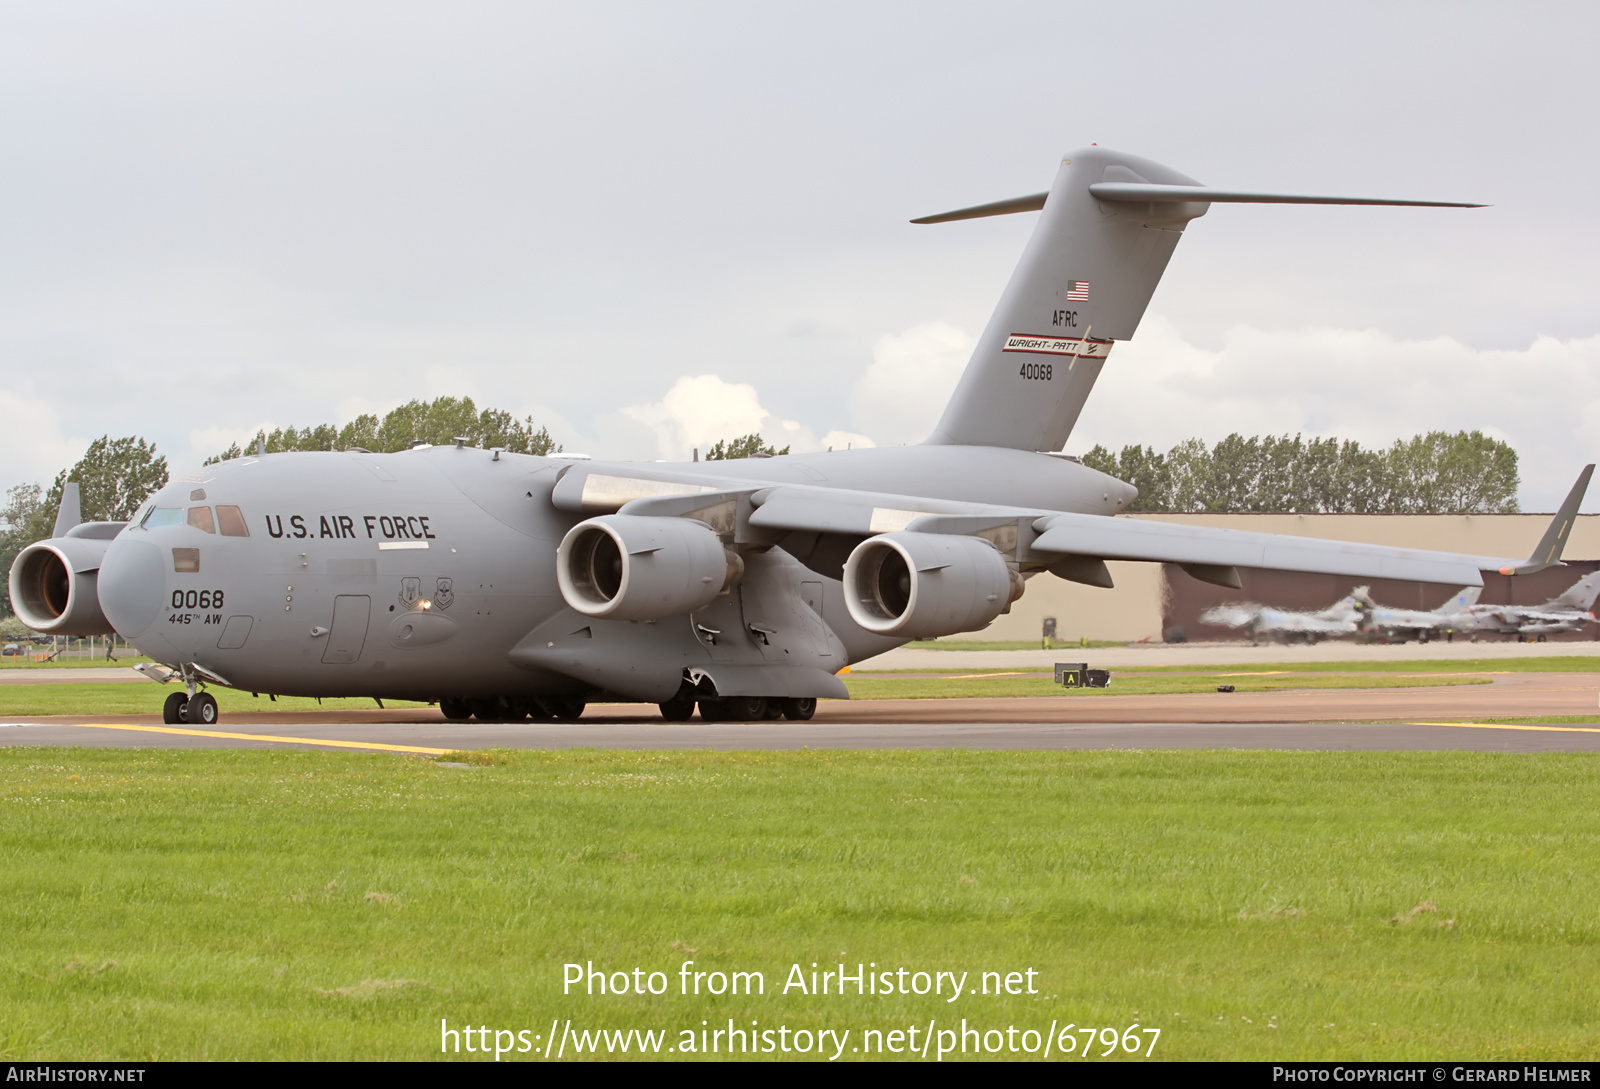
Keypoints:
pixel 680 708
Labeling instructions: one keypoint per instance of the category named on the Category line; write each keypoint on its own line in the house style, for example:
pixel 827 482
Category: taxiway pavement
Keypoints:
pixel 1346 719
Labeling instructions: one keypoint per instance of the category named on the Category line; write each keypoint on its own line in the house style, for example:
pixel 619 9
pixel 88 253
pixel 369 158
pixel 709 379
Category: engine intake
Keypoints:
pixel 920 585
pixel 53 586
pixel 632 567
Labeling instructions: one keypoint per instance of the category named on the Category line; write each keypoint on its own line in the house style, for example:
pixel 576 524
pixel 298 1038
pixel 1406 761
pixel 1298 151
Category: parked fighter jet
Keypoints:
pixel 1343 617
pixel 1399 625
pixel 1568 611
pixel 508 585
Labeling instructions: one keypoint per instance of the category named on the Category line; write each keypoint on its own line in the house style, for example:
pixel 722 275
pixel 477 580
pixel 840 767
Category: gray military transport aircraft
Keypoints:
pixel 503 586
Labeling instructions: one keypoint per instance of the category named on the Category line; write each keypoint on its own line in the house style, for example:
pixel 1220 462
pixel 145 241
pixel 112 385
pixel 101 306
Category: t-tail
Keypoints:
pixel 1110 223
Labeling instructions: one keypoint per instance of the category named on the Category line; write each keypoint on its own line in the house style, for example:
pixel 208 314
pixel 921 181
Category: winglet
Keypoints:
pixel 1548 554
pixel 69 514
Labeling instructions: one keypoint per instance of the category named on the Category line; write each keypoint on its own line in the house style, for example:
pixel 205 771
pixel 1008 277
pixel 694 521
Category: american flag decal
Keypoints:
pixel 1077 290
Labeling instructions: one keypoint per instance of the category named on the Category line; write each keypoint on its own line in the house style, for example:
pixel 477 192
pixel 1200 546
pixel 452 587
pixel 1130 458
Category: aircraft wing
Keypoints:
pixel 1063 541
pixel 1047 536
pixel 1167 542
pixel 1522 616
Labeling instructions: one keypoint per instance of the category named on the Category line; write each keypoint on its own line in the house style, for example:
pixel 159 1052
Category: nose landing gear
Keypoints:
pixel 199 709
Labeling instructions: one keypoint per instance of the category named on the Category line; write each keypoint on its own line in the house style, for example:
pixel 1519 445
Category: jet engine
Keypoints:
pixel 919 585
pixel 631 567
pixel 53 586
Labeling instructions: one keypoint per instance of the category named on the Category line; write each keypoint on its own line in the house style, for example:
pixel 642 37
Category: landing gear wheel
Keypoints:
pixel 565 707
pixel 1542 639
pixel 737 709
pixel 202 710
pixel 172 710
pixel 774 707
pixel 679 708
pixel 455 710
pixel 799 709
pixel 534 708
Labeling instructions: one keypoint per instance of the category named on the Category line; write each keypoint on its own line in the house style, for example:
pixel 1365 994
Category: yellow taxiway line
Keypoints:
pixel 1503 726
pixel 264 737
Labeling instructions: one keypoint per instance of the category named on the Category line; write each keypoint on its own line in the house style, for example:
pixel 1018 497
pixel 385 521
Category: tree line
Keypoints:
pixel 438 422
pixel 1438 473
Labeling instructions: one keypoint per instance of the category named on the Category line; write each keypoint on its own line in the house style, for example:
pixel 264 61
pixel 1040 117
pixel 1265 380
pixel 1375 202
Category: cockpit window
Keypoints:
pixel 200 518
pixel 163 516
pixel 231 521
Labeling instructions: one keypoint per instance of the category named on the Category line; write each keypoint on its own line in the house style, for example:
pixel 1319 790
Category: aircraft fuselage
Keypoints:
pixel 432 572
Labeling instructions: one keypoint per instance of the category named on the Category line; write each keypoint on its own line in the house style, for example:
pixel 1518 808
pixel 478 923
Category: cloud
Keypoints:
pixel 1364 384
pixel 36 449
pixel 1160 388
pixel 698 411
pixel 899 398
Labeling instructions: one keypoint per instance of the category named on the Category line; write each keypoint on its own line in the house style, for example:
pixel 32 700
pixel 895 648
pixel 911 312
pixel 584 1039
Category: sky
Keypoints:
pixel 651 226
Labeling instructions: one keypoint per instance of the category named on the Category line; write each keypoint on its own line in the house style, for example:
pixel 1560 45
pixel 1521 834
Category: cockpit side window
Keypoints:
pixel 200 518
pixel 163 516
pixel 231 521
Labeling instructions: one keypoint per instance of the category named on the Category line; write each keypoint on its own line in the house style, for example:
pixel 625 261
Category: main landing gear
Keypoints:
pixel 199 709
pixel 739 708
pixel 505 709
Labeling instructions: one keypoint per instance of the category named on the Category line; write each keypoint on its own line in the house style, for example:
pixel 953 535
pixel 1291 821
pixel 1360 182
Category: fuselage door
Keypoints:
pixel 349 631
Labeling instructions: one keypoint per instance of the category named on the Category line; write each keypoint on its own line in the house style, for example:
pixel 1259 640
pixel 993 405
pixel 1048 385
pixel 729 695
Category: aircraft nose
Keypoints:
pixel 132 584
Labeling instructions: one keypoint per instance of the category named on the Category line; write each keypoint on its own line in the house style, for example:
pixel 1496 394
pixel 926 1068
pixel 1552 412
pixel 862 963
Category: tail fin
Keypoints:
pixel 1580 595
pixel 1110 224
pixel 1460 601
pixel 69 514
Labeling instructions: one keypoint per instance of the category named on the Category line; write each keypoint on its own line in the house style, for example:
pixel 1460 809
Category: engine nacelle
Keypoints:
pixel 920 585
pixel 53 586
pixel 632 567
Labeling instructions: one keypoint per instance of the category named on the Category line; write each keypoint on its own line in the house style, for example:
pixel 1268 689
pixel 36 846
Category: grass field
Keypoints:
pixel 144 699
pixel 168 904
pixel 125 659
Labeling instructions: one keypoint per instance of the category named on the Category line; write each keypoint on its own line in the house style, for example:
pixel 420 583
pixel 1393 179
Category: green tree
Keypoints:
pixel 1190 465
pixel 744 446
pixel 26 521
pixel 1464 473
pixel 1438 473
pixel 438 422
pixel 1140 466
pixel 114 476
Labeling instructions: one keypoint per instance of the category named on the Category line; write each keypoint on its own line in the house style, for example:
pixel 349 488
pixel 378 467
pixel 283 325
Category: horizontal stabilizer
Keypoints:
pixel 1141 192
pixel 1030 203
